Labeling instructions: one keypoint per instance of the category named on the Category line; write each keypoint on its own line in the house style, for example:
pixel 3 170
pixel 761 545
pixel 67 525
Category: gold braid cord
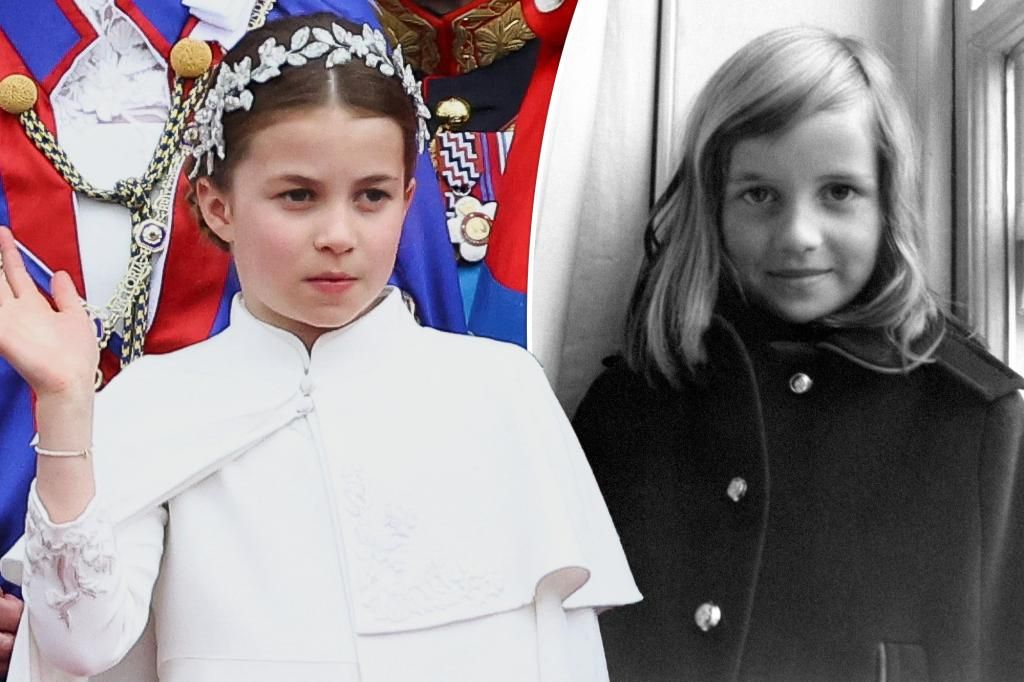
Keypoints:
pixel 134 194
pixel 150 217
pixel 259 14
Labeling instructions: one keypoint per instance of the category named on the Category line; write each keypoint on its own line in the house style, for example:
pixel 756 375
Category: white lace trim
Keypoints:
pixel 396 579
pixel 119 78
pixel 78 558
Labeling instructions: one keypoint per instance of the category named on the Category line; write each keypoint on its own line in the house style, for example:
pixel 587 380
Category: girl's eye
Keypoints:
pixel 297 195
pixel 839 192
pixel 757 195
pixel 374 195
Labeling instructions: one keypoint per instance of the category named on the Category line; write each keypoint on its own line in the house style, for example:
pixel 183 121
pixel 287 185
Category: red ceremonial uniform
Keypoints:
pixel 500 58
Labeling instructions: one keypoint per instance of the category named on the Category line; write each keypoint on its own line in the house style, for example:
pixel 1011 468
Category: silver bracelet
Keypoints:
pixel 63 453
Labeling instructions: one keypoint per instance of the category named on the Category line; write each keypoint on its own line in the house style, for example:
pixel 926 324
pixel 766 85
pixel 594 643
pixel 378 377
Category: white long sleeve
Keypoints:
pixel 88 588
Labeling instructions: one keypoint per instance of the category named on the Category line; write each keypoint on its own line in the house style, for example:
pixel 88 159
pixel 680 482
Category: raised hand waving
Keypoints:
pixel 52 347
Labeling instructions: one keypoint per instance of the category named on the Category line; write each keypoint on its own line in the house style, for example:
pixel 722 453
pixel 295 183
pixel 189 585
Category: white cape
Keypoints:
pixel 500 484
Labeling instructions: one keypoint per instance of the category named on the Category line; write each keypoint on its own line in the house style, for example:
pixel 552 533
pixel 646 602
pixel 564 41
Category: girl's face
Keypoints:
pixel 801 218
pixel 313 216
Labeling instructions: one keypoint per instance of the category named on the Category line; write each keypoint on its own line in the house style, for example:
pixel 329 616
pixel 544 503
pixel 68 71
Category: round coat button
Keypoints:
pixel 306 385
pixel 707 616
pixel 18 94
pixel 191 58
pixel 453 112
pixel 737 489
pixel 800 383
pixel 304 406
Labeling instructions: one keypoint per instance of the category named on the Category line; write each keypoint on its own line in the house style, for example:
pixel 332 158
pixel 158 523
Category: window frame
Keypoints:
pixel 984 271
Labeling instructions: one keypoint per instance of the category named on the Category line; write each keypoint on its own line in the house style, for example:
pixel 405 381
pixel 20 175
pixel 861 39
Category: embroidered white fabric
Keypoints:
pixel 74 573
pixel 109 108
pixel 401 582
pixel 74 559
pixel 117 79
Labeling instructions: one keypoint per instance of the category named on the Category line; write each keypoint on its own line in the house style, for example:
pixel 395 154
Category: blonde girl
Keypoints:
pixel 815 471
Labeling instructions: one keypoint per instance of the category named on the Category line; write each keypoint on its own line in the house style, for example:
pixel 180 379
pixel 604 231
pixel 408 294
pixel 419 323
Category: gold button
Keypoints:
pixel 453 112
pixel 18 94
pixel 707 616
pixel 191 58
pixel 800 383
pixel 737 489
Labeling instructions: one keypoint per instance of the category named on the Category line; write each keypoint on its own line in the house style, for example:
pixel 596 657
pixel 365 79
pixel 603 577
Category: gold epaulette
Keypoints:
pixel 475 37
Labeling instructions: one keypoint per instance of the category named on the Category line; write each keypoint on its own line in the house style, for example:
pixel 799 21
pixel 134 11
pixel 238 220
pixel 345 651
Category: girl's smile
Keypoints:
pixel 801 219
pixel 799 277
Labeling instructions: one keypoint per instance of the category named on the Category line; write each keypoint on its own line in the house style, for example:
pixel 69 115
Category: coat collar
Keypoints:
pixel 949 347
pixel 275 350
pixel 872 349
pixel 868 347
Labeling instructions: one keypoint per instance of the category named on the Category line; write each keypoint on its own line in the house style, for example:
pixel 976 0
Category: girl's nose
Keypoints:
pixel 335 232
pixel 799 228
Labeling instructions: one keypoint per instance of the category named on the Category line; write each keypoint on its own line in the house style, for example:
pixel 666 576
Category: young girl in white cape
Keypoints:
pixel 317 493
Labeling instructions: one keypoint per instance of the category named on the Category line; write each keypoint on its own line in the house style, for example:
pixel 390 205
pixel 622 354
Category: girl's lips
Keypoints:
pixel 797 281
pixel 798 273
pixel 332 282
pixel 331 277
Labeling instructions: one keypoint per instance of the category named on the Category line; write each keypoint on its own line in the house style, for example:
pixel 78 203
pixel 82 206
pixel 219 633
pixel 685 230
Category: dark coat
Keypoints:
pixel 880 535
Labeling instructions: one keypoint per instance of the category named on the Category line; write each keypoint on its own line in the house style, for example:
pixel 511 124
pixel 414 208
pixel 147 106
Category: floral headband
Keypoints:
pixel 205 136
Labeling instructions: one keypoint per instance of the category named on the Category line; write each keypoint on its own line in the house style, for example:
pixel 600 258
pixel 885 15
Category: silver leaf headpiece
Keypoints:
pixel 205 136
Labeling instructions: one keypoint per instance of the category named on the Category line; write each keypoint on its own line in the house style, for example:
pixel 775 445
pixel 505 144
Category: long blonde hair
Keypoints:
pixel 769 85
